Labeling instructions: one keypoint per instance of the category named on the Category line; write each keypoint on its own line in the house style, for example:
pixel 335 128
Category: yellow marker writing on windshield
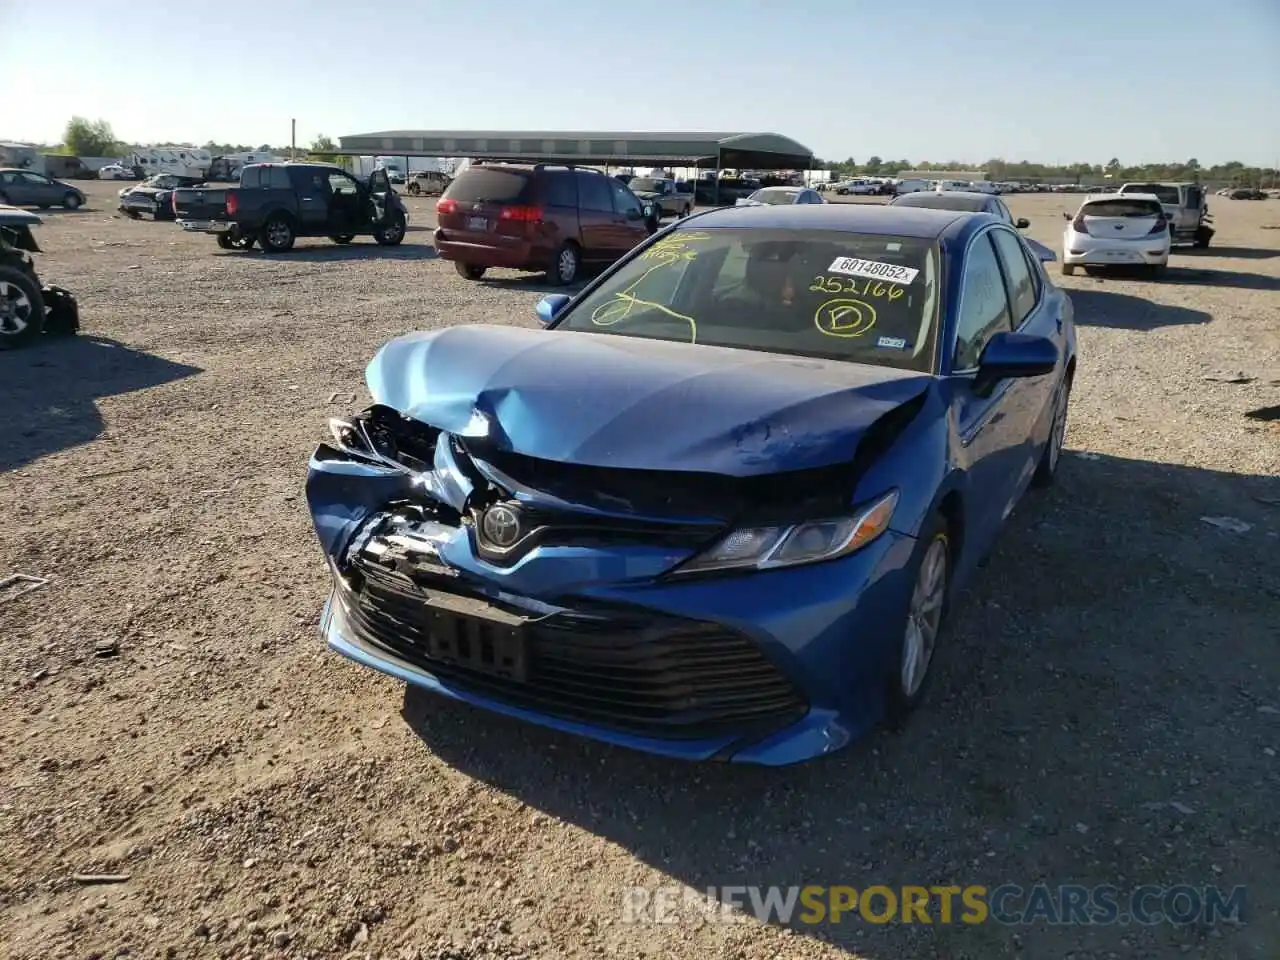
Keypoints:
pixel 862 288
pixel 672 250
pixel 844 318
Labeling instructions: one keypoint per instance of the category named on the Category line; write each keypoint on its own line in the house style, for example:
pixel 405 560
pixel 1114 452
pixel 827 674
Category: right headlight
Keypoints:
pixel 790 545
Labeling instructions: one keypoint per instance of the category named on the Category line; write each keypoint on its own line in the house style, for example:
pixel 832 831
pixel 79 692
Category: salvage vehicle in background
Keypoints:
pixel 25 188
pixel 1186 208
pixel 540 217
pixel 154 196
pixel 430 183
pixel 275 203
pixel 774 196
pixel 671 199
pixel 1117 230
pixel 720 507
pixel 28 308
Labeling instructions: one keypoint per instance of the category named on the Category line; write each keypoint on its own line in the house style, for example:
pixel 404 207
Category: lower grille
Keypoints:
pixel 629 671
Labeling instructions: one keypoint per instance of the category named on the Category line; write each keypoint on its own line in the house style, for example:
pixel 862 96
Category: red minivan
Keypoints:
pixel 541 217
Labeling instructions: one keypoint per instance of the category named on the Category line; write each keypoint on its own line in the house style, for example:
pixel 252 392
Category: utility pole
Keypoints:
pixel 293 139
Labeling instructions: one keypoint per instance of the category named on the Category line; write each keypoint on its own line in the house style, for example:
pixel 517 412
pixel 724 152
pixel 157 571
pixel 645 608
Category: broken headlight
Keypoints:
pixel 382 436
pixel 767 548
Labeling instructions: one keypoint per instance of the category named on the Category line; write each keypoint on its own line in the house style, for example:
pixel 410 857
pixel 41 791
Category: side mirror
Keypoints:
pixel 1022 223
pixel 1043 253
pixel 647 211
pixel 1010 355
pixel 551 306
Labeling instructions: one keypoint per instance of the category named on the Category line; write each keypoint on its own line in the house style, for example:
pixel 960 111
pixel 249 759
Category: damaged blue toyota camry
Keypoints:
pixel 719 507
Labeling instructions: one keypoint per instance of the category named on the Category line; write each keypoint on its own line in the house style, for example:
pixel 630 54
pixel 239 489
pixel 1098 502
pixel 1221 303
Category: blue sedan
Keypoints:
pixel 719 508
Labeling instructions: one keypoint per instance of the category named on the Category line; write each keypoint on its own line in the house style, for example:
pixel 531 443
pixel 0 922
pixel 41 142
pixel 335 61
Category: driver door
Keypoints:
pixel 380 194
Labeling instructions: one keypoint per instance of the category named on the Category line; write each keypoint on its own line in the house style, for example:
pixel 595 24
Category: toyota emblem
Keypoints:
pixel 501 526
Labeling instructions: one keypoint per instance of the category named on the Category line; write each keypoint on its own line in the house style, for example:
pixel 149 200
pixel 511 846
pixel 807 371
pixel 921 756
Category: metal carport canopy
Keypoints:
pixel 750 151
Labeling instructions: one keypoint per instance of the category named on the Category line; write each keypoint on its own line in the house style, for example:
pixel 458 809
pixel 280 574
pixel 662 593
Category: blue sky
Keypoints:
pixel 924 80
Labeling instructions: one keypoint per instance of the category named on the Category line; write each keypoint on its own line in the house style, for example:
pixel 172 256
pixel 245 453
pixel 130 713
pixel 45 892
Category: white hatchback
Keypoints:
pixel 1110 230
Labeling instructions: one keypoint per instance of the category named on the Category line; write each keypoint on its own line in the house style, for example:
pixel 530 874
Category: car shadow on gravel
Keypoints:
pixel 1099 715
pixel 337 253
pixel 1235 253
pixel 1200 277
pixel 47 404
pixel 1124 311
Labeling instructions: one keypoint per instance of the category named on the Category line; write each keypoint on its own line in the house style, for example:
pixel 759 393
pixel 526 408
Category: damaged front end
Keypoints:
pixel 620 604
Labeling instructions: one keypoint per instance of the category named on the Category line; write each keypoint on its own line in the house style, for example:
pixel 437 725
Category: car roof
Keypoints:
pixel 16 216
pixel 930 197
pixel 874 219
pixel 1115 196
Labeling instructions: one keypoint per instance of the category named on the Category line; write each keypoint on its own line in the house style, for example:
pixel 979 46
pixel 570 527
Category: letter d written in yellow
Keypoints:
pixel 975 905
pixel 815 911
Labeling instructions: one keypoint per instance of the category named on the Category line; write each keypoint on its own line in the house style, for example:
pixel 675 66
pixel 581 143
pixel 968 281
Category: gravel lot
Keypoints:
pixel 1107 711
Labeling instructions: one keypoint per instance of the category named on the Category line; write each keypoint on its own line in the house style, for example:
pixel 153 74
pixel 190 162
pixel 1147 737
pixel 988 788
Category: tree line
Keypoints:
pixel 95 138
pixel 1025 171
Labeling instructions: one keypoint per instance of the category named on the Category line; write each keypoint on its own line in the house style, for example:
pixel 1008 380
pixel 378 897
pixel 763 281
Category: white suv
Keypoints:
pixel 1114 230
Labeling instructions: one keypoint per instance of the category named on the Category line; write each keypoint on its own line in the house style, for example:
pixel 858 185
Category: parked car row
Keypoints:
pixel 26 188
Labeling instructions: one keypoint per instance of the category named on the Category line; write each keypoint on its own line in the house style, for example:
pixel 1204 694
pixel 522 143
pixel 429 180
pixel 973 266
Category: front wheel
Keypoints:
pixel 1068 269
pixel 469 270
pixel 1047 468
pixel 391 234
pixel 71 201
pixel 686 211
pixel 1203 236
pixel 21 308
pixel 923 623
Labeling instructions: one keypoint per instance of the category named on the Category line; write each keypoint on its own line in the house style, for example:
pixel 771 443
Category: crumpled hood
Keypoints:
pixel 625 402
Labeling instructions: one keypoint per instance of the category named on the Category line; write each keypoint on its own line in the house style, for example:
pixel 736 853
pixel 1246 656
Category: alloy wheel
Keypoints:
pixel 924 617
pixel 15 309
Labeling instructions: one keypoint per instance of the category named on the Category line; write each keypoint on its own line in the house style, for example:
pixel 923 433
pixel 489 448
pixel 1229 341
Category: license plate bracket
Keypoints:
pixel 474 635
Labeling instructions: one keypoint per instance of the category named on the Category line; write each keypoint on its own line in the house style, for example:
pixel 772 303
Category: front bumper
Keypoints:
pixel 768 668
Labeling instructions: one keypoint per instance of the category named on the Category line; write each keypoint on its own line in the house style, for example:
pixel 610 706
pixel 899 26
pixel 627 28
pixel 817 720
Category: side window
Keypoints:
pixel 560 190
pixel 35 178
pixel 1194 196
pixel 1022 288
pixel 279 179
pixel 251 177
pixel 340 183
pixel 984 305
pixel 594 193
pixel 623 199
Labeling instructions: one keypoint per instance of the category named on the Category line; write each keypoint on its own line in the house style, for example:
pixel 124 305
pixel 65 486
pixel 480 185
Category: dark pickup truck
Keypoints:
pixel 276 203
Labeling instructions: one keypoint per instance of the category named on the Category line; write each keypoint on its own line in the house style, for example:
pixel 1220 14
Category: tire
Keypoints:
pixel 686 211
pixel 1203 238
pixel 278 235
pixel 469 271
pixel 21 308
pixel 1156 270
pixel 1068 269
pixel 343 238
pixel 243 243
pixel 414 189
pixel 926 611
pixel 225 241
pixel 1047 468
pixel 565 265
pixel 392 235
pixel 133 214
pixel 71 202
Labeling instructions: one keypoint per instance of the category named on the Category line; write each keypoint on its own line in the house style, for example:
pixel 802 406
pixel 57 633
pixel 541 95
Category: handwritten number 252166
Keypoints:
pixel 861 288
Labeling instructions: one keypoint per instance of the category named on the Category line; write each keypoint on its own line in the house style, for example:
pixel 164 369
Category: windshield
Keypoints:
pixel 816 293
pixel 646 185
pixel 775 196
pixel 1166 193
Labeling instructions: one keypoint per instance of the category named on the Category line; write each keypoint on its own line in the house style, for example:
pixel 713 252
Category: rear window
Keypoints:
pixel 1166 194
pixel 1122 208
pixel 942 201
pixel 491 186
pixel 251 177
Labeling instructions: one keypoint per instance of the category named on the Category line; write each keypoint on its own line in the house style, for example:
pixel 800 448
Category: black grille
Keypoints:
pixel 663 677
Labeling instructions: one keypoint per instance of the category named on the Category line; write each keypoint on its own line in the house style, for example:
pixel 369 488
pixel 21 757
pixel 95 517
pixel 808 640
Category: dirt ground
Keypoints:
pixel 1107 710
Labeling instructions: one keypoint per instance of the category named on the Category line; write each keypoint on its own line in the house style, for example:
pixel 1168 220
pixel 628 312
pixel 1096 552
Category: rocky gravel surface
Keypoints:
pixel 186 772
